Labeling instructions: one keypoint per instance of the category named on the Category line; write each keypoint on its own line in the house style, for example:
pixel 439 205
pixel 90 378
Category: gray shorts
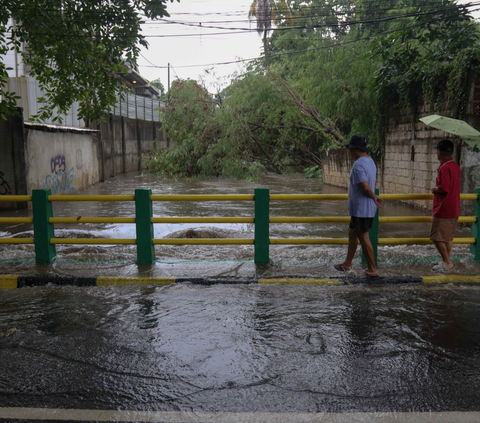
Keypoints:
pixel 361 224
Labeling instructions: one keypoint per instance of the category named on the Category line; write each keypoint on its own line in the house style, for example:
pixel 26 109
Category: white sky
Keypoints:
pixel 200 48
pixel 189 56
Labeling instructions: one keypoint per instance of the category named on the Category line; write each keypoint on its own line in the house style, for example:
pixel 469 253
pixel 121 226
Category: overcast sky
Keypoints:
pixel 199 52
pixel 192 50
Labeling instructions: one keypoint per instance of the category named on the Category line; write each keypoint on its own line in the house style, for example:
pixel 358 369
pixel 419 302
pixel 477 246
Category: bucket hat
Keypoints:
pixel 357 141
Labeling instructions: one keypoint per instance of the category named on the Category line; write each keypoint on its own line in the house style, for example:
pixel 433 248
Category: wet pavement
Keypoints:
pixel 236 353
pixel 242 349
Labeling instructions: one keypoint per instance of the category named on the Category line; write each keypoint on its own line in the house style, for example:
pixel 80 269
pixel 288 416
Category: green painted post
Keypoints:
pixel 262 225
pixel 373 234
pixel 475 248
pixel 144 226
pixel 43 230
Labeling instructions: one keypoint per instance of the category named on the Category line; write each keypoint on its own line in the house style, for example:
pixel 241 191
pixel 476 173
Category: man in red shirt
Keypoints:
pixel 446 205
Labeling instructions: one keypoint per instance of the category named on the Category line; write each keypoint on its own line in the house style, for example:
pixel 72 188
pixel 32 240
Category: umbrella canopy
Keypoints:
pixel 456 127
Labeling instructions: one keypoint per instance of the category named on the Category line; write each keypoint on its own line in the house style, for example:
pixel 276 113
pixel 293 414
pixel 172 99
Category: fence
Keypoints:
pixel 131 106
pixel 137 107
pixel 45 240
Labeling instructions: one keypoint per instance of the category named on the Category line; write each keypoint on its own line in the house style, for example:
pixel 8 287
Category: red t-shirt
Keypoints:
pixel 447 204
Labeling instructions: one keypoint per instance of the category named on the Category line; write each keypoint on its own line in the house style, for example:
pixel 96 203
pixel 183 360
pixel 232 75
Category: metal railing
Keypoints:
pixel 45 241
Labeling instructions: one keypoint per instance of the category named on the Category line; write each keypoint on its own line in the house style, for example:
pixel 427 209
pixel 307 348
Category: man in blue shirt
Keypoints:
pixel 362 205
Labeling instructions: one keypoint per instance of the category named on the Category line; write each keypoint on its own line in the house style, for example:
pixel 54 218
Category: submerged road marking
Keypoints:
pixel 451 279
pixel 8 281
pixel 15 281
pixel 58 414
pixel 295 281
pixel 125 281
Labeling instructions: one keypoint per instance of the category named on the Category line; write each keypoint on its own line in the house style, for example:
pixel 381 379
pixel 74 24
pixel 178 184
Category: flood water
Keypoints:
pixel 220 260
pixel 400 352
pixel 243 348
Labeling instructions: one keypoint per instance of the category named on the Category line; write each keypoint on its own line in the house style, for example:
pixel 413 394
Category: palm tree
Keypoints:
pixel 264 12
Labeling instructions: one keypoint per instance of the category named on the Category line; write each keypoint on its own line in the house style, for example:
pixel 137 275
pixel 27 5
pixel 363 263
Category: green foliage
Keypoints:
pixel 76 48
pixel 158 84
pixel 256 127
pixel 314 172
pixel 427 55
pixel 335 69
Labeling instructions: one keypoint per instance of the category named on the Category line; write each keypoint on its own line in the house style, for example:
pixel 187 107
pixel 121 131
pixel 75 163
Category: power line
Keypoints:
pixel 306 50
pixel 324 25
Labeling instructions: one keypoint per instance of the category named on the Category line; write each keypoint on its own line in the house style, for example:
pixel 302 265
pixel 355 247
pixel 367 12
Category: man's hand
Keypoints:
pixel 436 190
pixel 378 201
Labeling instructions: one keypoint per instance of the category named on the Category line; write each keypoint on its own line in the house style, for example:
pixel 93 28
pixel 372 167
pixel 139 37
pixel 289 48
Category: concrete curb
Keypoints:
pixel 16 281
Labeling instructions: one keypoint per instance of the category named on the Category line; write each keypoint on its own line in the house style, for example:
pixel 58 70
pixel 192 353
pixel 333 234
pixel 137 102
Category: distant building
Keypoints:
pixel 141 103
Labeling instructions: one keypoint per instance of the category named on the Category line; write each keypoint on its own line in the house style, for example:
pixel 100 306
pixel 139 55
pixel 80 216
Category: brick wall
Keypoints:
pixel 409 163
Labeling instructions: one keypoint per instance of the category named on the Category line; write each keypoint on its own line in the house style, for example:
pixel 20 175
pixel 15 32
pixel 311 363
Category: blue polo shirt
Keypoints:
pixel 359 204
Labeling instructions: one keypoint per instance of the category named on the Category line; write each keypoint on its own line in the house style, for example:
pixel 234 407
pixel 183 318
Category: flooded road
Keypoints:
pixel 220 260
pixel 235 353
pixel 242 349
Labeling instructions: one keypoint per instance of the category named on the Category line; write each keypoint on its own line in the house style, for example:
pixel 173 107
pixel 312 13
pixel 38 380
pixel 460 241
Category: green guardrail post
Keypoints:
pixel 144 226
pixel 475 248
pixel 43 230
pixel 262 225
pixel 373 234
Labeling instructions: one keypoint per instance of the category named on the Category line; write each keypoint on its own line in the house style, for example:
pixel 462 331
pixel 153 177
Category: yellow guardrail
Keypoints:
pixel 220 197
pixel 146 221
pixel 15 198
pixel 203 220
pixel 92 241
pixel 16 241
pixel 204 241
pixel 92 219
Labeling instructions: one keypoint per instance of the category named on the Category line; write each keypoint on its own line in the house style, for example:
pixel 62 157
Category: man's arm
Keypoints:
pixel 369 193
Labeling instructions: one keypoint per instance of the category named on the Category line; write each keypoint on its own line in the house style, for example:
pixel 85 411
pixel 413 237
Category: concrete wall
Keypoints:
pixel 63 159
pixel 68 159
pixel 125 143
pixel 336 167
pixel 409 163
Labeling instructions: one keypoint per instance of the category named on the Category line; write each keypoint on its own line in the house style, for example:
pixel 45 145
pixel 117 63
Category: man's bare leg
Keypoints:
pixel 445 249
pixel 352 249
pixel 367 248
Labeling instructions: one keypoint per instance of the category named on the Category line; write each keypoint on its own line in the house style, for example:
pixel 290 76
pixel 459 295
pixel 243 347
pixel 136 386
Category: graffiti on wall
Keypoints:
pixel 60 181
pixel 57 164
pixel 4 187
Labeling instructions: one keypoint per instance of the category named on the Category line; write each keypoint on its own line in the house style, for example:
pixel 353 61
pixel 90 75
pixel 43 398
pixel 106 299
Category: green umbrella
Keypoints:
pixel 456 127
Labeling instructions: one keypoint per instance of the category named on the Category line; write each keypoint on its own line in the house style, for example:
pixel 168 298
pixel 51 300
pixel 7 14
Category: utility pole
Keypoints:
pixel 168 86
pixel 168 83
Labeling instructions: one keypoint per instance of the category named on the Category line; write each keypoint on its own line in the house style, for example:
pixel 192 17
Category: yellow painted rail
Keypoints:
pixel 16 241
pixel 284 219
pixel 203 220
pixel 92 219
pixel 420 241
pixel 325 219
pixel 144 221
pixel 91 198
pixel 384 241
pixel 235 197
pixel 15 198
pixel 92 241
pixel 204 241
